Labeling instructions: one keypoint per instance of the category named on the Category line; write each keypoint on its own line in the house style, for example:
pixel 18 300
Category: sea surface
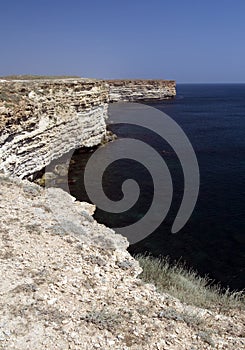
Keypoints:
pixel 213 240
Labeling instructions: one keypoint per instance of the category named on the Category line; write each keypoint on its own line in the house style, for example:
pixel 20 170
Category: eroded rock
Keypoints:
pixel 40 120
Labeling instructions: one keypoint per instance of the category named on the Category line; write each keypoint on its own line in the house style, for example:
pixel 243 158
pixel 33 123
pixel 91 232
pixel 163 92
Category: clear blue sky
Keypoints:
pixel 185 40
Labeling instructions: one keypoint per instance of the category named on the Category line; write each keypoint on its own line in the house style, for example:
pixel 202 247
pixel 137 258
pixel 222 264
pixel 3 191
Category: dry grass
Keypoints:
pixel 103 319
pixel 187 286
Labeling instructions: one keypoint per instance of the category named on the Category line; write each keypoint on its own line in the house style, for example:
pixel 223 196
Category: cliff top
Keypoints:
pixel 69 283
pixel 140 81
pixel 33 79
pixel 28 77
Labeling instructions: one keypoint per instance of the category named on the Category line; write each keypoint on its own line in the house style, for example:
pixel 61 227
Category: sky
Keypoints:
pixel 190 41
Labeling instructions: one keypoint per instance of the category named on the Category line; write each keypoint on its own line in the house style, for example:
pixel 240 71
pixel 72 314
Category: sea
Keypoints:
pixel 212 242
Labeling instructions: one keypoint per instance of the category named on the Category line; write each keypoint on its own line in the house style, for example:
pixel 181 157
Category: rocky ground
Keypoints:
pixel 69 283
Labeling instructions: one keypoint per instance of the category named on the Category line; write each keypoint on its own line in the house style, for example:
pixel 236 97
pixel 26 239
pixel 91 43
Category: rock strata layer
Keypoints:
pixel 40 120
pixel 141 90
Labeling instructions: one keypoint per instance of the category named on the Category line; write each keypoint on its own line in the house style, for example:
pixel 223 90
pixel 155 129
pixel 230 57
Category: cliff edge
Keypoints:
pixel 68 282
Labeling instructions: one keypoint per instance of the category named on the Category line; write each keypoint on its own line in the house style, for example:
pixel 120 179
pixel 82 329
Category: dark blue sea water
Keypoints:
pixel 213 240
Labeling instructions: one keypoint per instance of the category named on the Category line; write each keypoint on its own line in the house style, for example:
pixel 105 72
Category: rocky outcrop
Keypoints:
pixel 40 120
pixel 68 282
pixel 141 90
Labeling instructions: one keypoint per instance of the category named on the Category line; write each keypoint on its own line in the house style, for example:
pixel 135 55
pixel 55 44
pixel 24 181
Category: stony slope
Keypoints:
pixel 69 283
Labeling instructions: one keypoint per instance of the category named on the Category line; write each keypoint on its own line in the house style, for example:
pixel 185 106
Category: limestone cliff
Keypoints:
pixel 40 120
pixel 141 90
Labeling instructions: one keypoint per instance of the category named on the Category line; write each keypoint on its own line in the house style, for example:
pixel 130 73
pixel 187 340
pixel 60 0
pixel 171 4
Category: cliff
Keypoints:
pixel 141 90
pixel 42 119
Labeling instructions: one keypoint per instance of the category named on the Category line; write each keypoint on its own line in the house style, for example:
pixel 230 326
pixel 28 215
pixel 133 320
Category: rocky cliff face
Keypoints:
pixel 141 90
pixel 40 120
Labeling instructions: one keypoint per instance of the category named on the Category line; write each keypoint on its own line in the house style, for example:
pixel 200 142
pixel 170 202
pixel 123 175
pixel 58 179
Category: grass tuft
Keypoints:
pixel 187 285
